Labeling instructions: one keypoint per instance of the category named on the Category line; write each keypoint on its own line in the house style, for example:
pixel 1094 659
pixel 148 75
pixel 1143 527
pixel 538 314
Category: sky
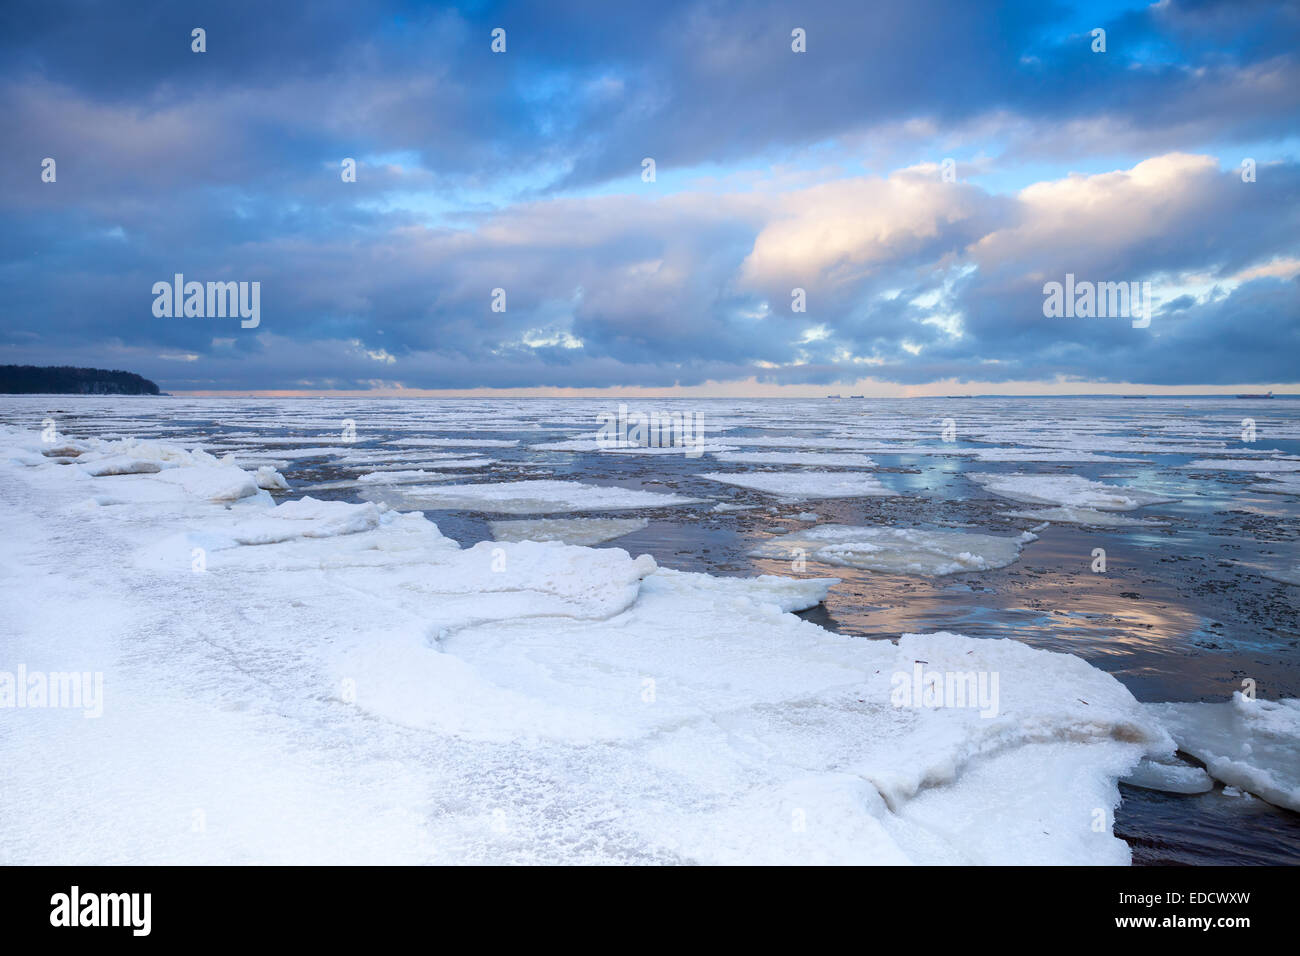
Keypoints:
pixel 919 170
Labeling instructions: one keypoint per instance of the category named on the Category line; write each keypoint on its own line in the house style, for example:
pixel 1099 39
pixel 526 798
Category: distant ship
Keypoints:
pixel 857 396
pixel 832 396
pixel 1133 396
pixel 1265 395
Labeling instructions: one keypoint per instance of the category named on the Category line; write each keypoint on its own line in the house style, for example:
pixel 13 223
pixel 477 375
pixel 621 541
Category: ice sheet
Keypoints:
pixel 387 696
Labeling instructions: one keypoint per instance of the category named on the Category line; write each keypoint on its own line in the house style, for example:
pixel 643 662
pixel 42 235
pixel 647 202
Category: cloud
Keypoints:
pixel 777 171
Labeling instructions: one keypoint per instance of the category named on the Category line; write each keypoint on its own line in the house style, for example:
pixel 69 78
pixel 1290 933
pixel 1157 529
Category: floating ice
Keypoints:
pixel 587 531
pixel 1084 516
pixel 1283 484
pixel 456 442
pixel 826 460
pixel 1285 575
pixel 1249 743
pixel 446 464
pixel 538 497
pixel 1170 777
pixel 897 550
pixel 1049 455
pixel 689 448
pixel 798 485
pixel 1260 466
pixel 1071 491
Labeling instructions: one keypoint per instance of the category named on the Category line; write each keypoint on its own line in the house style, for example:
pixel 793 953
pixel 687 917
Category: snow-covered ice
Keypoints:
pixel 343 683
pixel 1250 743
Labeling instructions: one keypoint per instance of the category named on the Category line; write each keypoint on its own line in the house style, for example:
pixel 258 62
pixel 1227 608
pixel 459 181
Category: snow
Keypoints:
pixel 586 531
pixel 341 683
pixel 538 497
pixel 1071 491
pixel 1253 744
pixel 896 550
pixel 799 485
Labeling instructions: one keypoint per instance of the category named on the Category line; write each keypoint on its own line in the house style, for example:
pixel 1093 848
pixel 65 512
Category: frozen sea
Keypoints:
pixel 338 679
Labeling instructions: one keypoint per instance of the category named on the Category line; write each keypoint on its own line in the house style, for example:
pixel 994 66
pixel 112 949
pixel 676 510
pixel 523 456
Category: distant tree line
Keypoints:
pixel 68 380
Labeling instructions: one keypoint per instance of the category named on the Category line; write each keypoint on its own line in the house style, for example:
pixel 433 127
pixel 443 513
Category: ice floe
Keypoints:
pixel 1049 455
pixel 826 460
pixel 1281 484
pixel 456 442
pixel 1071 491
pixel 1289 575
pixel 1084 516
pixel 1260 466
pixel 897 550
pixel 586 531
pixel 269 479
pixel 538 497
pixel 800 485
pixel 1250 743
pixel 1170 777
